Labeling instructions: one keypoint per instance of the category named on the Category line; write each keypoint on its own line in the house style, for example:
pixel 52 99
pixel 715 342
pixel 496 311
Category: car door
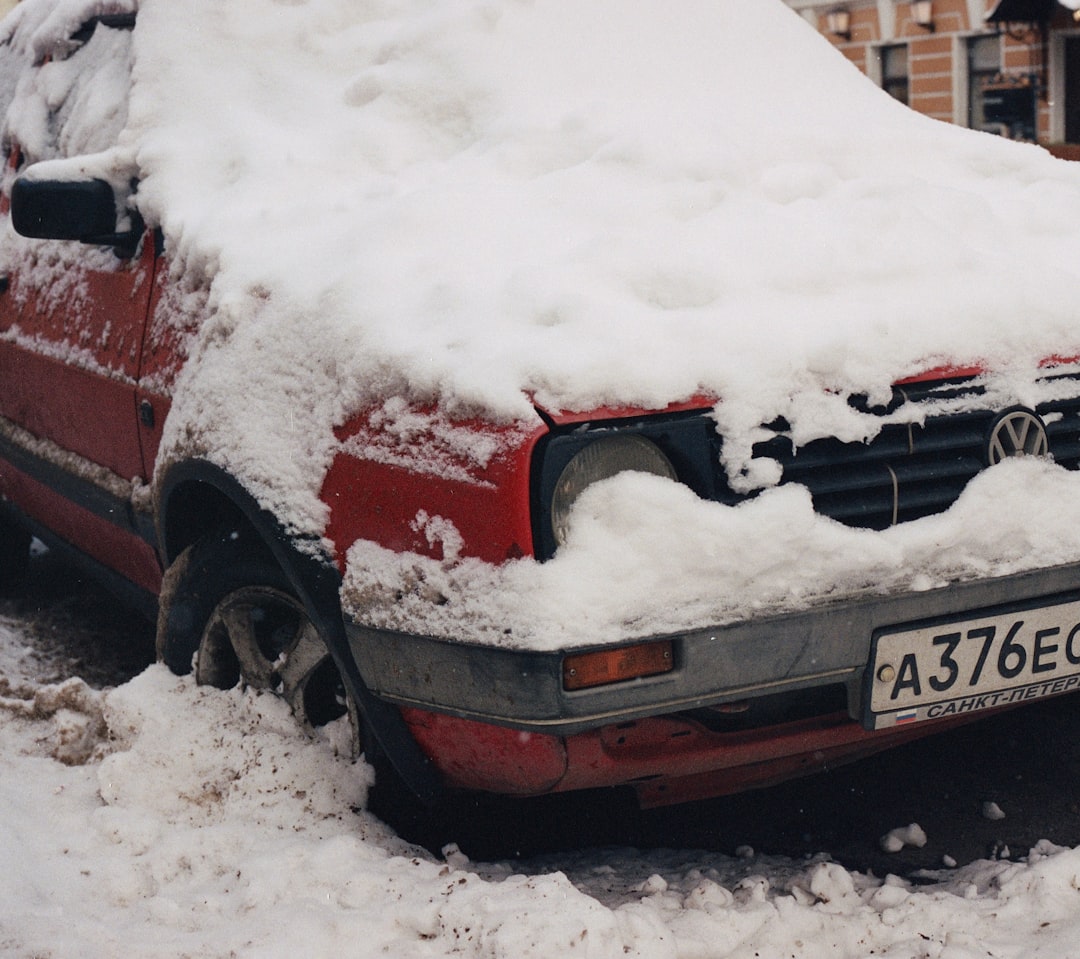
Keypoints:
pixel 72 319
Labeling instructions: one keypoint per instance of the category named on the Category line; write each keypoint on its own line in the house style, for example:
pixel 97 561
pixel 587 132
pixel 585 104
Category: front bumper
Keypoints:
pixel 826 645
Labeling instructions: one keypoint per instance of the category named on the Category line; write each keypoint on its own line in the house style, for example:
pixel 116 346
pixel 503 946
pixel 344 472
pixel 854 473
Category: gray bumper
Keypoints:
pixel 827 645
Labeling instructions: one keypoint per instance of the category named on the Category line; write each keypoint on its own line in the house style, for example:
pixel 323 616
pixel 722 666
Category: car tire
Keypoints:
pixel 229 611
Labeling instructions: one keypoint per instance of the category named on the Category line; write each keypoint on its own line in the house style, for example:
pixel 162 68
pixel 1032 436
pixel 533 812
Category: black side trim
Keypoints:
pixel 121 587
pixel 82 492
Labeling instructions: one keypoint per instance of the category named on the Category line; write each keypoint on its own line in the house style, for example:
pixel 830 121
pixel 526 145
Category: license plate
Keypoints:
pixel 951 669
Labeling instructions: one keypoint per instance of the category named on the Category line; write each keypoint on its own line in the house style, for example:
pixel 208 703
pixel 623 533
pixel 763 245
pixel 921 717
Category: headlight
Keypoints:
pixel 602 459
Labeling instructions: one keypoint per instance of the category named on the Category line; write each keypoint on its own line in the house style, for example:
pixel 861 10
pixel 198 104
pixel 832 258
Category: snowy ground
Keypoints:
pixel 160 819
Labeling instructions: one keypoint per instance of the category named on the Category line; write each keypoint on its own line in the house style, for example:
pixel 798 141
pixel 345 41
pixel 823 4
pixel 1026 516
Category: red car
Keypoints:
pixel 97 331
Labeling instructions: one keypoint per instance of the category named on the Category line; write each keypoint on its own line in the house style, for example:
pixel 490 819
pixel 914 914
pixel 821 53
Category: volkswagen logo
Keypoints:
pixel 1016 432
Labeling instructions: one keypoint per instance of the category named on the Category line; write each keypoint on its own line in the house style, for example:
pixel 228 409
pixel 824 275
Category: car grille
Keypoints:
pixel 906 471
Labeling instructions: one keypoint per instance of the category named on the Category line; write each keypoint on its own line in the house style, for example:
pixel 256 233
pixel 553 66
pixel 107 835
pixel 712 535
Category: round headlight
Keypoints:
pixel 600 460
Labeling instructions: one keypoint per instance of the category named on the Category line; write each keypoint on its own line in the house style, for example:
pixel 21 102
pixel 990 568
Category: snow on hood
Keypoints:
pixel 582 204
pixel 646 557
pixel 592 203
pixel 494 203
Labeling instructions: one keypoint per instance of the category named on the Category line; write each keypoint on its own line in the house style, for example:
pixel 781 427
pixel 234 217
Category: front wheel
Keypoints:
pixel 227 606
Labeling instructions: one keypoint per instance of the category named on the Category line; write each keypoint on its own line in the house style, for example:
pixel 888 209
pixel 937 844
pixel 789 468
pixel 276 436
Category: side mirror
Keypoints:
pixel 83 210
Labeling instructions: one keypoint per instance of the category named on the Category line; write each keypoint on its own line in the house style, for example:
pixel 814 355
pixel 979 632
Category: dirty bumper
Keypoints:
pixel 902 658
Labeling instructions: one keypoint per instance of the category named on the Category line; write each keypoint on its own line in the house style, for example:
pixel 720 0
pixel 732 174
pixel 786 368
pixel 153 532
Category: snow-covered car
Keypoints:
pixel 573 394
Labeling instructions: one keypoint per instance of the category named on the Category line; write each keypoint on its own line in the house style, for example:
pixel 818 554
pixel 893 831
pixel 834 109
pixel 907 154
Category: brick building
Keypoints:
pixel 1006 66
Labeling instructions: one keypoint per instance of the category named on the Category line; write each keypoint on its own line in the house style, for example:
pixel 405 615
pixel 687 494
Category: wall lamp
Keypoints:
pixel 922 13
pixel 838 23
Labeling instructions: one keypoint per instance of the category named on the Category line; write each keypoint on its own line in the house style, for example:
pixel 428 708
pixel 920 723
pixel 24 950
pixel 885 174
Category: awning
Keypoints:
pixel 1030 11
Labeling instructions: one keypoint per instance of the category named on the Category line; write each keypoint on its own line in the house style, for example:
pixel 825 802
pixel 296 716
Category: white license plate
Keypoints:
pixel 951 669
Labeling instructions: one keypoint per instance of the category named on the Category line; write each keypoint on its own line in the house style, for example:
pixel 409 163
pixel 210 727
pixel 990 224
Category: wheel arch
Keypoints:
pixel 195 498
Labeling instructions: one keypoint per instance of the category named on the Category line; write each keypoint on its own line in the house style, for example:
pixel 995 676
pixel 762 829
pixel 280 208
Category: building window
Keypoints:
pixel 894 71
pixel 984 68
pixel 1072 89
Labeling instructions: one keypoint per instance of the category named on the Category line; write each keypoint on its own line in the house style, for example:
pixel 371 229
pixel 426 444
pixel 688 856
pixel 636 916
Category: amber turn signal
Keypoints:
pixel 585 670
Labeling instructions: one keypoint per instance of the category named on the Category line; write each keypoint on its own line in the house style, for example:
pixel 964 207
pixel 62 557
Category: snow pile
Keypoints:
pixel 896 839
pixel 603 584
pixel 230 833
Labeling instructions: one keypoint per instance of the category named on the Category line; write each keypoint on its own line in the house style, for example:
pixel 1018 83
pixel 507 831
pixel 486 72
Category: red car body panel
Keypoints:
pixel 373 498
pixel 110 543
pixel 667 760
pixel 75 348
pixel 700 401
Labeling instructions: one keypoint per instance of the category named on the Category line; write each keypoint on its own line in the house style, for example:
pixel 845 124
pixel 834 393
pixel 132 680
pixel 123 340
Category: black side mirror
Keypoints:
pixel 83 210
